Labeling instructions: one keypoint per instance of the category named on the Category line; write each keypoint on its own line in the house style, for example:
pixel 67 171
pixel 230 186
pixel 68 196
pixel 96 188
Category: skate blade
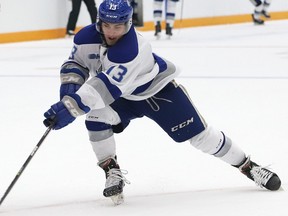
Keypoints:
pixel 117 199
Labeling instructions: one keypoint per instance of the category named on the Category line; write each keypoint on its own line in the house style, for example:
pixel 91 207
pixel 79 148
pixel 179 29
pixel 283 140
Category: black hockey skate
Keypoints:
pixel 157 30
pixel 168 30
pixel 70 33
pixel 264 11
pixel 257 21
pixel 260 175
pixel 265 14
pixel 115 181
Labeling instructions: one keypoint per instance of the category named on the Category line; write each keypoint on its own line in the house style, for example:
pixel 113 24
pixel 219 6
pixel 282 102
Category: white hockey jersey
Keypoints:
pixel 127 69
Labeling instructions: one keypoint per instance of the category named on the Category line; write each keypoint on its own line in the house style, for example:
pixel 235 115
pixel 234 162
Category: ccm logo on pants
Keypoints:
pixel 182 125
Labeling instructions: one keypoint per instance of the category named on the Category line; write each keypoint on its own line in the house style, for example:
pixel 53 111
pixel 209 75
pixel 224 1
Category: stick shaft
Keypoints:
pixel 26 163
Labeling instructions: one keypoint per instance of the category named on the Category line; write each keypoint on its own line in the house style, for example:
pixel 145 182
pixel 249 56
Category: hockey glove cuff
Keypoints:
pixel 68 89
pixel 74 104
pixel 65 111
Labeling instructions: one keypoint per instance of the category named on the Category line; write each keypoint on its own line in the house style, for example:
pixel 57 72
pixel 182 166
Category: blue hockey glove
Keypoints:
pixel 68 89
pixel 58 114
pixel 65 112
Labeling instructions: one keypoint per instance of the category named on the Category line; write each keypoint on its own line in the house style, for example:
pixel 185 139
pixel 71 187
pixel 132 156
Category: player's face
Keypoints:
pixel 113 32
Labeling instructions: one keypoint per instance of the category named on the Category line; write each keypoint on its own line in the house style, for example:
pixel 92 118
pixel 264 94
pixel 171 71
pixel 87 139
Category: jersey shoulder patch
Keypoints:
pixel 126 49
pixel 88 35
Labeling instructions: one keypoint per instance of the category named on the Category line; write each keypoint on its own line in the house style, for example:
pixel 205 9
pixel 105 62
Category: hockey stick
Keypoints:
pixel 26 162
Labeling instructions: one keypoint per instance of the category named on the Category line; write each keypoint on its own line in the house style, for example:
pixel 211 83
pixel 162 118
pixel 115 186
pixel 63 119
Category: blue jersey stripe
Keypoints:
pixel 113 89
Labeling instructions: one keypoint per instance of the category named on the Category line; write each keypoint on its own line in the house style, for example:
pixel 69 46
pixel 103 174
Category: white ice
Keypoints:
pixel 237 76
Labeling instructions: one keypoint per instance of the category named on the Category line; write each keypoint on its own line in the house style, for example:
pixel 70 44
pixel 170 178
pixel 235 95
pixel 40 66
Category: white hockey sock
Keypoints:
pixel 104 148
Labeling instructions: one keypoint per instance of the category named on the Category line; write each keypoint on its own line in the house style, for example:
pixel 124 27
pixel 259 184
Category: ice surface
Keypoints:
pixel 236 75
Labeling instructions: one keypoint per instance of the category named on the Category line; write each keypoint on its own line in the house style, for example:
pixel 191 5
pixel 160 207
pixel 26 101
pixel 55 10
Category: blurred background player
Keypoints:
pixel 73 16
pixel 169 12
pixel 261 10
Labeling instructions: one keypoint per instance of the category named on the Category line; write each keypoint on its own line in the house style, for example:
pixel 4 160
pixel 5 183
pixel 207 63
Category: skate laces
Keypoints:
pixel 261 175
pixel 114 176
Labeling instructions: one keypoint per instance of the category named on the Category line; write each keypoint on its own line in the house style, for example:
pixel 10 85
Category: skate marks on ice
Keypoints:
pixel 225 201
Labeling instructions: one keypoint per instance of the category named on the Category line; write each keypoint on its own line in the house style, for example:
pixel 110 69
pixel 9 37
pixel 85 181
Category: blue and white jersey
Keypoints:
pixel 127 69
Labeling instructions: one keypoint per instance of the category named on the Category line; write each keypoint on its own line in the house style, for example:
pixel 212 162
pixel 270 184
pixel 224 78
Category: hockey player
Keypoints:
pixel 169 12
pixel 73 15
pixel 113 77
pixel 261 10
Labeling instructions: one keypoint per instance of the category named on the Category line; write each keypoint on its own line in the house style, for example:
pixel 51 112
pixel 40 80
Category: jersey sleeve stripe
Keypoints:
pixel 113 89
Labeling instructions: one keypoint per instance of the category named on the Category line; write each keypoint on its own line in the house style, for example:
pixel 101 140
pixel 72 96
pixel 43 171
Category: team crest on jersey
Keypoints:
pixel 94 56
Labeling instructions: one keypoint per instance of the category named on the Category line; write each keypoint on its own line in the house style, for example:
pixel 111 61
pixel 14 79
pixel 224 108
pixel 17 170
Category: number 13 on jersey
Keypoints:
pixel 117 72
